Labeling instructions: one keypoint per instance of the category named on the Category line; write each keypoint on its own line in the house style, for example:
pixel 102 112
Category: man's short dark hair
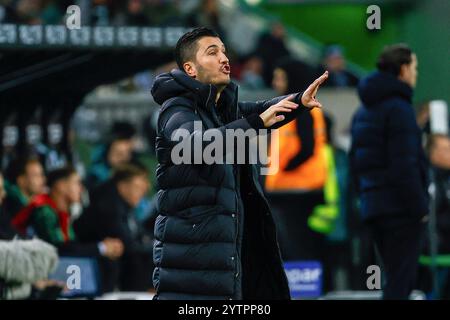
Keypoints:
pixel 59 174
pixel 393 57
pixel 127 172
pixel 18 167
pixel 187 45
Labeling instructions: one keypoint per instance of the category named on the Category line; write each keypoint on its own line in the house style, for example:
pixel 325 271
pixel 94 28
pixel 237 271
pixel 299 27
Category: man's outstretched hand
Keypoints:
pixel 309 96
pixel 271 116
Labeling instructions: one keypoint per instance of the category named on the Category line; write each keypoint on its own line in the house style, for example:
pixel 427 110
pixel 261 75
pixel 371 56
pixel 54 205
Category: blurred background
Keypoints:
pixel 82 97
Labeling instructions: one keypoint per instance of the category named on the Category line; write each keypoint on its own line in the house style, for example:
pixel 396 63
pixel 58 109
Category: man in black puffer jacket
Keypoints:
pixel 214 236
pixel 390 166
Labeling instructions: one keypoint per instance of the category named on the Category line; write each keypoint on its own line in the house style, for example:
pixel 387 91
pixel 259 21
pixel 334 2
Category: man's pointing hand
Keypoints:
pixel 272 116
pixel 309 96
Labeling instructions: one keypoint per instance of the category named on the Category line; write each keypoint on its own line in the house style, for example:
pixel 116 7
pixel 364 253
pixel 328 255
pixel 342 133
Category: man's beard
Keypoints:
pixel 209 80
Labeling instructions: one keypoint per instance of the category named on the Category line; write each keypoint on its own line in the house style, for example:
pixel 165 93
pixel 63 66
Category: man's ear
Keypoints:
pixel 403 71
pixel 190 69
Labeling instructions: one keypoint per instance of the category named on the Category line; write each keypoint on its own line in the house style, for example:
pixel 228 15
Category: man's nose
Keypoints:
pixel 224 59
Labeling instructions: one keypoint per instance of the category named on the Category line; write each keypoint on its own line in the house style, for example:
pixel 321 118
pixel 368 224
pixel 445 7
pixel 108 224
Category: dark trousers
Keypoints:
pixel 399 244
pixel 132 272
pixel 297 240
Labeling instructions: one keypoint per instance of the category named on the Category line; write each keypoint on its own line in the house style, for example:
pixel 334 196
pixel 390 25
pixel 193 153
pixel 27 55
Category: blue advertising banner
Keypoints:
pixel 305 278
pixel 80 275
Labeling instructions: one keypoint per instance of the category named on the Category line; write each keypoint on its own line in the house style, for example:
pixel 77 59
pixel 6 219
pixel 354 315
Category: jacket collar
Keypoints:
pixel 178 84
pixel 379 86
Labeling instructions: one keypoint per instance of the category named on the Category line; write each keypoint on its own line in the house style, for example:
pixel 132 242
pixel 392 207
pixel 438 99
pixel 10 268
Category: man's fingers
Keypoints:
pixel 289 98
pixel 315 105
pixel 319 80
pixel 287 104
pixel 281 109
pixel 322 78
pixel 314 92
pixel 309 96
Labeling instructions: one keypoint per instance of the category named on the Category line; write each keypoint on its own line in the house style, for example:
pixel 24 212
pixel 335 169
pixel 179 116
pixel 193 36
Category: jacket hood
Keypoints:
pixel 173 84
pixel 379 86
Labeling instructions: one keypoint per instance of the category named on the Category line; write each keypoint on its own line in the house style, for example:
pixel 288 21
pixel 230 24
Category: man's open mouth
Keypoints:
pixel 226 69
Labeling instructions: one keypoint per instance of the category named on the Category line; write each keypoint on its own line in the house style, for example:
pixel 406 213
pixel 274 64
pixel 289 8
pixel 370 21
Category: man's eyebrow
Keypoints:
pixel 214 45
pixel 211 46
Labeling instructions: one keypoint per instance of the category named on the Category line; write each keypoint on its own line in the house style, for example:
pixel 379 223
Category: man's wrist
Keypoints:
pixel 298 99
pixel 255 121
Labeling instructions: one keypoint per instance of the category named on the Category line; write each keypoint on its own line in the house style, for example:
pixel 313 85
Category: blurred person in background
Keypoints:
pixel 111 215
pixel 251 73
pixel 54 10
pixel 48 216
pixel 390 167
pixel 272 47
pixel 334 62
pixel 7 13
pixel 133 14
pixel 207 15
pixel 26 179
pixel 438 147
pixel 423 117
pixel 2 190
pixel 99 12
pixel 35 11
pixel 25 266
pixel 118 151
pixel 298 187
pixel 25 12
pixel 164 13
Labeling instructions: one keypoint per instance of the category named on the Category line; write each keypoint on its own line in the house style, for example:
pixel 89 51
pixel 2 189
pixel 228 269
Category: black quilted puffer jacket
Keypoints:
pixel 215 236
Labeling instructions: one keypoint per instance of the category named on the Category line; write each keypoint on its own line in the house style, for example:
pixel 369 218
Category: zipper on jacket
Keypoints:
pixel 209 96
pixel 237 197
pixel 235 102
pixel 213 110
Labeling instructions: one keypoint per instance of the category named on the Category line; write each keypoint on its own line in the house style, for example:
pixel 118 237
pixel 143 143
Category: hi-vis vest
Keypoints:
pixel 324 216
pixel 310 175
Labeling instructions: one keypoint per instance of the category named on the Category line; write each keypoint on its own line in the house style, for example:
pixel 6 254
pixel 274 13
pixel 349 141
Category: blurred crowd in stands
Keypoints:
pixel 253 70
pixel 114 13
pixel 116 223
pixel 97 12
